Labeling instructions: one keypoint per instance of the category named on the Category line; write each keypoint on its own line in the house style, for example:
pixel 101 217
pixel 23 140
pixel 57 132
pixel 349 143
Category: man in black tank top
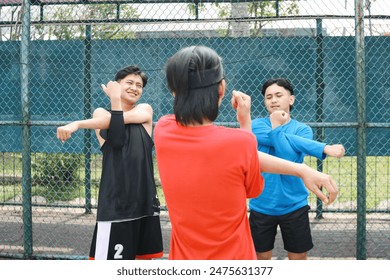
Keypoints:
pixel 128 223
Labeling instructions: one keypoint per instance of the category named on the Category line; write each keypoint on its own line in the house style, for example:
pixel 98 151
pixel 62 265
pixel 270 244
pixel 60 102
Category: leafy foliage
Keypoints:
pixel 57 174
pixel 71 31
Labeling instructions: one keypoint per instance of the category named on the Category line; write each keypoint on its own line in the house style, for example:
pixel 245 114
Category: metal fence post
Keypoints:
pixel 87 115
pixel 26 138
pixel 361 131
pixel 49 72
pixel 319 76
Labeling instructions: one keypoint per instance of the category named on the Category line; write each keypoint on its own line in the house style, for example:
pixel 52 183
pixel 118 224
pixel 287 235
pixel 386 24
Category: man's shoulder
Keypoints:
pixel 165 121
pixel 261 122
pixel 260 119
pixel 299 124
pixel 144 105
pixel 236 134
pixel 301 128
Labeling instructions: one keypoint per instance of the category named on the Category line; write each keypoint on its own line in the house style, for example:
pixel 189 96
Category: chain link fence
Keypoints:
pixel 54 54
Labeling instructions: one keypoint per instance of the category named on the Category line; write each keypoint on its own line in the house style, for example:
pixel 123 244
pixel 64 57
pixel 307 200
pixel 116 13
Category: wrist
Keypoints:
pixel 275 125
pixel 244 119
pixel 325 151
pixel 300 169
pixel 245 123
pixel 77 124
pixel 116 104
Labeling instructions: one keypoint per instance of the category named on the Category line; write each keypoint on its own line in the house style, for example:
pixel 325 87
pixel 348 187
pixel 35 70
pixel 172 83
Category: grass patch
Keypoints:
pixel 343 171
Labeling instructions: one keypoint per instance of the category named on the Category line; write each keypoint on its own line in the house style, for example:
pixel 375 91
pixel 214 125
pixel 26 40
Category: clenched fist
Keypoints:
pixel 242 103
pixel 279 118
pixel 65 132
pixel 336 150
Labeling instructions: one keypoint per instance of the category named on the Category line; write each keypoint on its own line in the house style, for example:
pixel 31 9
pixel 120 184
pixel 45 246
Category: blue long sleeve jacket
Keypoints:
pixel 283 194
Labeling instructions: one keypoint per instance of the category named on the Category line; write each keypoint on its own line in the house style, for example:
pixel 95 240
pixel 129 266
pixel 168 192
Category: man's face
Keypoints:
pixel 132 86
pixel 278 98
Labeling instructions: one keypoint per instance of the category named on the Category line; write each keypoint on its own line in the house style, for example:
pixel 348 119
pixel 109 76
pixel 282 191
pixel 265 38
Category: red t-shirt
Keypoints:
pixel 207 173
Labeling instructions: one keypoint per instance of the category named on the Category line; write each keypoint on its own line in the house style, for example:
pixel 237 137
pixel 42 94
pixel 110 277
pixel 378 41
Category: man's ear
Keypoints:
pixel 174 94
pixel 222 89
pixel 292 99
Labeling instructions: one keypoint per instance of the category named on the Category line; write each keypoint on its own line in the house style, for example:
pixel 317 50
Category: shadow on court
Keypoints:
pixel 65 233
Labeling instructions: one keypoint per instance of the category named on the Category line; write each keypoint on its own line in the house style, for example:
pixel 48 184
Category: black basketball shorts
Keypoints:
pixel 127 240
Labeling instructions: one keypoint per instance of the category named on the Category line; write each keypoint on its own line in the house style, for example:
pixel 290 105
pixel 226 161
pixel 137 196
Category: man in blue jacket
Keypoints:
pixel 284 201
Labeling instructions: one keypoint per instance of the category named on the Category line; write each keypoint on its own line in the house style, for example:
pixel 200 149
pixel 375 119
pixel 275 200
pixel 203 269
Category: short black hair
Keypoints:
pixel 282 82
pixel 132 69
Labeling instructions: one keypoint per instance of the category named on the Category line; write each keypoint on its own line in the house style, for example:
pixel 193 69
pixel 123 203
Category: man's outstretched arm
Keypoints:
pixel 312 178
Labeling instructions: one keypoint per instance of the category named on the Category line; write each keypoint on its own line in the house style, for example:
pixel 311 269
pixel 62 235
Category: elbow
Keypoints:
pixel 254 194
pixel 116 142
pixel 98 112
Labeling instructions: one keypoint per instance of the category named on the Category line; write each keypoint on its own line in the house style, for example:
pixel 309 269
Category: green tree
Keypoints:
pixel 269 9
pixel 252 9
pixel 65 30
pixel 12 32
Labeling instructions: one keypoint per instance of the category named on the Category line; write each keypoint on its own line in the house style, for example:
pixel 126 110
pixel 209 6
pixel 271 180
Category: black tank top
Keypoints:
pixel 127 186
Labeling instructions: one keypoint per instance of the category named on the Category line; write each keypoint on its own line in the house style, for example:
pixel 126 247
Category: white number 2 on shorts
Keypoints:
pixel 118 253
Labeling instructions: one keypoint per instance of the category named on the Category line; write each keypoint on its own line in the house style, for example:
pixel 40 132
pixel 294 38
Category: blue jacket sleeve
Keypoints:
pixel 294 147
pixel 116 131
pixel 261 128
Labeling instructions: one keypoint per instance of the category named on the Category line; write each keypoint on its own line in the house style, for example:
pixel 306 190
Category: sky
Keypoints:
pixel 332 27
